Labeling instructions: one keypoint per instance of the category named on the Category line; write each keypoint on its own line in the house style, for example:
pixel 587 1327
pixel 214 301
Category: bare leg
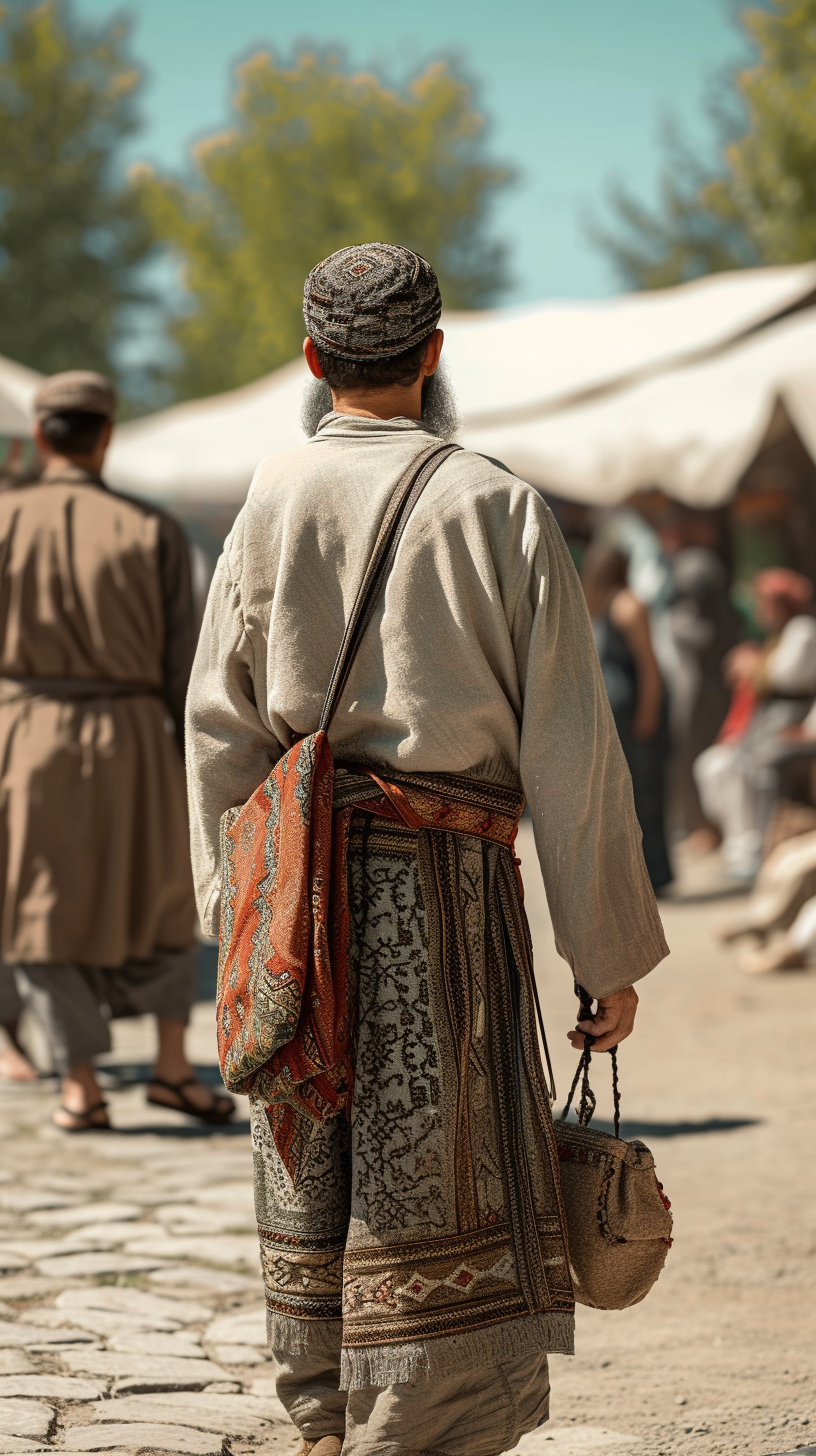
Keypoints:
pixel 14 1064
pixel 81 1100
pixel 173 1067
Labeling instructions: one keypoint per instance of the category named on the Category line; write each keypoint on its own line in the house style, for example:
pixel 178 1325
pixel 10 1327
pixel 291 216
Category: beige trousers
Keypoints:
pixel 74 1005
pixel 477 1412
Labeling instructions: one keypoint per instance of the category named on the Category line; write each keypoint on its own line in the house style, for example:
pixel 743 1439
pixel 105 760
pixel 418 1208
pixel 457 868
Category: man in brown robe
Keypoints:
pixel 96 640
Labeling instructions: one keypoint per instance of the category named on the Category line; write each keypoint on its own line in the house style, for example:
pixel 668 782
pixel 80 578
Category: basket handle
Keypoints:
pixel 588 1101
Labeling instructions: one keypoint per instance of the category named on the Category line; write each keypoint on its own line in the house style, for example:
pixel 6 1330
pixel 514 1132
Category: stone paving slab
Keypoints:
pixel 107 1235
pixel 14 1362
pixel 12 1261
pixel 29 1200
pixel 136 1302
pixel 183 1346
pixel 75 1266
pixel 85 1213
pixel 237 1355
pixel 102 1322
pixel 19 1334
pixel 51 1387
pixel 32 1249
pixel 30 1286
pixel 25 1418
pixel 196 1218
pixel 170 1374
pixel 248 1327
pixel 234 1415
pixel 205 1249
pixel 217 1281
pixel 147 1437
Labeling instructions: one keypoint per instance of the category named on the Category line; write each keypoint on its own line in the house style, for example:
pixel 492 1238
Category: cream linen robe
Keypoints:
pixel 479 659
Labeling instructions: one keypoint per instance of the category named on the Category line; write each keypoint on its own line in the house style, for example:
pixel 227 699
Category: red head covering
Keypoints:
pixel 778 581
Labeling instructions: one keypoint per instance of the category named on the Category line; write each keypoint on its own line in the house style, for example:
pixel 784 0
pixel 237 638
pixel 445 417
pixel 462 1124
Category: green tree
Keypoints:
pixel 758 204
pixel 317 159
pixel 71 233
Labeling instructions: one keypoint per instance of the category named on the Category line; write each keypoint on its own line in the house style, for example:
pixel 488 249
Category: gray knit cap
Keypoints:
pixel 371 301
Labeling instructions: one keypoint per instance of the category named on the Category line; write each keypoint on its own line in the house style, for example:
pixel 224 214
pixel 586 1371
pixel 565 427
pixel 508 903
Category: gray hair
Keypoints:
pixel 440 413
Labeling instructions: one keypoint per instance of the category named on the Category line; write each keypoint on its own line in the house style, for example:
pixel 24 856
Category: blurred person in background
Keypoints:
pixel 96 643
pixel 620 623
pixel 705 625
pixel 773 686
pixel 783 899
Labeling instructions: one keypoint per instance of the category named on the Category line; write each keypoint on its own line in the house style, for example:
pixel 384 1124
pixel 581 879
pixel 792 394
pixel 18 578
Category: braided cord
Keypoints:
pixel 588 1102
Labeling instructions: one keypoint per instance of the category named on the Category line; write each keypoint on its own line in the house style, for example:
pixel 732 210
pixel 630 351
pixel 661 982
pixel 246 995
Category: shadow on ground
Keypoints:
pixel 677 1129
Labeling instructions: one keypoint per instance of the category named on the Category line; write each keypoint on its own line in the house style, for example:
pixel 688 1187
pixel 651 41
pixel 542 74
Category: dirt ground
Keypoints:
pixel 720 1358
pixel 719 1081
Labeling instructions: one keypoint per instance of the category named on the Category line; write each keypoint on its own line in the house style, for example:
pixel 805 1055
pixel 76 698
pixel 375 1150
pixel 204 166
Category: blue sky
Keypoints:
pixel 573 90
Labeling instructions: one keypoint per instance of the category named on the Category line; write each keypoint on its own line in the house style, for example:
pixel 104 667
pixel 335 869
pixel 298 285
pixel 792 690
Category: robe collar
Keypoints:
pixel 67 472
pixel 350 427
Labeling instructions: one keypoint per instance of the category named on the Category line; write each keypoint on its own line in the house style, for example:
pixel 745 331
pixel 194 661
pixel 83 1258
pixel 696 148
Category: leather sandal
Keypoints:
pixel 83 1121
pixel 220 1110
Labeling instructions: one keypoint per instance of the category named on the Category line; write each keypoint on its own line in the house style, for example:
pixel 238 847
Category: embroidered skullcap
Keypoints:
pixel 371 301
pixel 75 389
pixel 778 581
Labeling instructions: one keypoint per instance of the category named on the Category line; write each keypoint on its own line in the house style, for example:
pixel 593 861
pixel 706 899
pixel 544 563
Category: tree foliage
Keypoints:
pixel 758 204
pixel 317 159
pixel 71 233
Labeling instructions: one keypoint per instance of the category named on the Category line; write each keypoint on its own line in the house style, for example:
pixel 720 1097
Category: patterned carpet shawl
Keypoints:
pixel 285 1022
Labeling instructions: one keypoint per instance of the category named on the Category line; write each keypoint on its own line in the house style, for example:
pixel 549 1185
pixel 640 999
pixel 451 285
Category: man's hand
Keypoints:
pixel 613 1020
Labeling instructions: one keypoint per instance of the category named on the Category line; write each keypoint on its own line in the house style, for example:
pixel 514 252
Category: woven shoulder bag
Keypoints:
pixel 619 1228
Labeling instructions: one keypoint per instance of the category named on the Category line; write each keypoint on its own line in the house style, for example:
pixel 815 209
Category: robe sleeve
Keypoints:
pixel 576 780
pixel 230 751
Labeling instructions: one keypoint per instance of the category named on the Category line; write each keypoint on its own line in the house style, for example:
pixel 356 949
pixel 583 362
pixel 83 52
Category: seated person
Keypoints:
pixel 738 777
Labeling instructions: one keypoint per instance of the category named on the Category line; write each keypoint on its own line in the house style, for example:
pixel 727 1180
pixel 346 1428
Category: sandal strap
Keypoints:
pixel 89 1111
pixel 174 1086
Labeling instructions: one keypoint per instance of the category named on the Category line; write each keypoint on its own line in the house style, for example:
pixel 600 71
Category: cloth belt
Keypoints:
pixel 453 802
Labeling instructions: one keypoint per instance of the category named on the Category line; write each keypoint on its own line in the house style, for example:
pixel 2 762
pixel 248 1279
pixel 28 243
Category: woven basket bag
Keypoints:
pixel 619 1228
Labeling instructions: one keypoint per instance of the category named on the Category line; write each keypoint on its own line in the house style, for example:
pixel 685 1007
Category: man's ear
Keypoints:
pixel 312 359
pixel 433 349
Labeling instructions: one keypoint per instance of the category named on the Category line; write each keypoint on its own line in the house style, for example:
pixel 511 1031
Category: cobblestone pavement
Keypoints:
pixel 131 1315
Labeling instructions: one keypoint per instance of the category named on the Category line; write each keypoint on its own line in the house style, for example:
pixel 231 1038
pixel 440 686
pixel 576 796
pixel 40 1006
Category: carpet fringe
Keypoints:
pixel 293 1336
pixel 381 1365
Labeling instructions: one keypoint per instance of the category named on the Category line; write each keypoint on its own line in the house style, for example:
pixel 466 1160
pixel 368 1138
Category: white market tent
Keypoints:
pixel 18 386
pixel 591 402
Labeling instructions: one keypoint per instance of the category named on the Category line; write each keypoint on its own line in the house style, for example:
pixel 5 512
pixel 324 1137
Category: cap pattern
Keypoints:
pixel 371 301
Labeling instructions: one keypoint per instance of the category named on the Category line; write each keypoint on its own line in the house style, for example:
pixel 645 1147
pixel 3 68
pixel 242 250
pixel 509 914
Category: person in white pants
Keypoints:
pixel 738 780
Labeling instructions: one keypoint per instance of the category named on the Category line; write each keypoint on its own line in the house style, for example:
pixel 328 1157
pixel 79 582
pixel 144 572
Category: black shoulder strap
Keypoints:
pixel 406 494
